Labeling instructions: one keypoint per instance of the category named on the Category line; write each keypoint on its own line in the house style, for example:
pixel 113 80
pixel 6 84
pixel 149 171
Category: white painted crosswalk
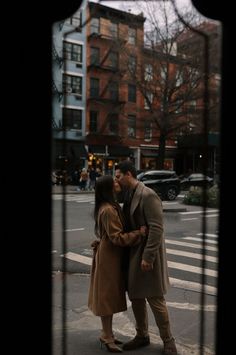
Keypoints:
pixel 83 198
pixel 185 262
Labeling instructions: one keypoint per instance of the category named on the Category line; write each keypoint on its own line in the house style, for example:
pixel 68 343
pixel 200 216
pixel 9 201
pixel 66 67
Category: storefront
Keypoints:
pixel 107 157
pixel 149 159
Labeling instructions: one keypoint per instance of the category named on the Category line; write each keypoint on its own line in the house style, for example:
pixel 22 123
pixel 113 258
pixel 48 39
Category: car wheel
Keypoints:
pixel 171 194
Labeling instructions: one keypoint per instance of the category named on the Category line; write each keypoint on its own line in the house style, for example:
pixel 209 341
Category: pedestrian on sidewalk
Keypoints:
pixel 148 278
pixel 107 294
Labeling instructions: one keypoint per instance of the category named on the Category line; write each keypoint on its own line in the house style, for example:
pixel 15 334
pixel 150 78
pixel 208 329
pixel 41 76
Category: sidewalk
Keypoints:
pixel 83 328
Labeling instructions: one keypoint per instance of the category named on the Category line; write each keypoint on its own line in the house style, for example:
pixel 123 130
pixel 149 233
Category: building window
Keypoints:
pixel 132 33
pixel 163 74
pixel 113 123
pixel 114 30
pixel 72 85
pixel 113 60
pixel 148 72
pixel 93 121
pixel 148 131
pixel 114 91
pixel 94 87
pixel 95 56
pixel 131 93
pixel 179 78
pixel 72 51
pixel 132 64
pixel 148 101
pixel 72 119
pixel 95 25
pixel 75 21
pixel 131 126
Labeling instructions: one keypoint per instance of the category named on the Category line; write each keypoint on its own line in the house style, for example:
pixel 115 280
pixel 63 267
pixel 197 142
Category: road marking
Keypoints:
pixel 209 235
pixel 188 219
pixel 74 230
pixel 190 245
pixel 198 212
pixel 192 307
pixel 78 258
pixel 188 285
pixel 73 198
pixel 199 240
pixel 190 268
pixel 187 254
pixel 192 286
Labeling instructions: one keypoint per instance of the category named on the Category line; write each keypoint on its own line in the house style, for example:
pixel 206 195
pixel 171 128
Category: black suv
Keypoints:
pixel 164 182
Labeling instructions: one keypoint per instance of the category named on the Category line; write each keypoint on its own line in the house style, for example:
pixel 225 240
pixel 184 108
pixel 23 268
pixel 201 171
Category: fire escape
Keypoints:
pixel 113 103
pixel 59 61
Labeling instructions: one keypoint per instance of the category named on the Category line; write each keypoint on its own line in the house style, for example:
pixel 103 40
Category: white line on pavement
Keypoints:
pixel 74 230
pixel 190 268
pixel 190 245
pixel 199 240
pixel 187 254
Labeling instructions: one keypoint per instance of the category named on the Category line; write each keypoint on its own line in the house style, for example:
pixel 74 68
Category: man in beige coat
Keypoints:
pixel 148 278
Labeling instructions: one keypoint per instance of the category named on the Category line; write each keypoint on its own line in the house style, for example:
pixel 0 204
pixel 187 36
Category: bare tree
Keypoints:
pixel 167 69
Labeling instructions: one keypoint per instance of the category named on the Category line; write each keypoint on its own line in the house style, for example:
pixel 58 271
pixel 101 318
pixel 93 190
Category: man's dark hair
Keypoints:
pixel 125 166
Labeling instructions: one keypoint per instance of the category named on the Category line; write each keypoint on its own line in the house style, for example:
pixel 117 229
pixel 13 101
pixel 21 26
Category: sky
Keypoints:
pixel 134 6
pixel 131 4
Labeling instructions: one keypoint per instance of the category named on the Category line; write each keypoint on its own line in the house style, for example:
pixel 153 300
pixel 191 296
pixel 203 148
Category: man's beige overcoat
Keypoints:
pixel 146 208
pixel 107 288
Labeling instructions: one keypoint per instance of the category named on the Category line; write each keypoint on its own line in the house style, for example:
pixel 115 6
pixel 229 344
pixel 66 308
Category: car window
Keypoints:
pixel 150 177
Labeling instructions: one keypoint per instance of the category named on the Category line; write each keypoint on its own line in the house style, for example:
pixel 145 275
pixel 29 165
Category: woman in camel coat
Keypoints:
pixel 107 286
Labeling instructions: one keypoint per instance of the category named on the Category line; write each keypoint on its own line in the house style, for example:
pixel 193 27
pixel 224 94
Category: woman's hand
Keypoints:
pixel 144 231
pixel 95 244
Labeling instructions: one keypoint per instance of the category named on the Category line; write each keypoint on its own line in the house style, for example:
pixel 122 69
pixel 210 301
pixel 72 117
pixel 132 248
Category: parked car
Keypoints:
pixel 164 182
pixel 196 179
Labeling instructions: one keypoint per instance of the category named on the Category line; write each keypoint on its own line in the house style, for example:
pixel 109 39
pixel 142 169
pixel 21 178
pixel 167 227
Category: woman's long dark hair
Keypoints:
pixel 104 192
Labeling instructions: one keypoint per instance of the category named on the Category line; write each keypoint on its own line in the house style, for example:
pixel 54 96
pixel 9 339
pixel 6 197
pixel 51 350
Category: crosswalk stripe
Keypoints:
pixel 190 268
pixel 78 258
pixel 190 245
pixel 179 266
pixel 183 284
pixel 78 199
pixel 209 235
pixel 199 240
pixel 197 212
pixel 187 254
pixel 192 286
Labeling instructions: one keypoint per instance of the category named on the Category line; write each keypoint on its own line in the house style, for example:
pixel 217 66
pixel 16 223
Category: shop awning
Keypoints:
pixel 119 151
pixel 69 150
pixel 78 150
pixel 149 153
pixel 97 149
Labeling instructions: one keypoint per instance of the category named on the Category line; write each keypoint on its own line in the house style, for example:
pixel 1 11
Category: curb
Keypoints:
pixel 175 209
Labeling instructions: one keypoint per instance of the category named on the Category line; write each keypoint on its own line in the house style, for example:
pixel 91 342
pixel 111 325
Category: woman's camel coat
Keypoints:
pixel 107 287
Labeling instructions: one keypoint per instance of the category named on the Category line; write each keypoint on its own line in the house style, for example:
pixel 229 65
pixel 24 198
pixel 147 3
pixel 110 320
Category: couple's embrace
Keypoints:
pixel 137 227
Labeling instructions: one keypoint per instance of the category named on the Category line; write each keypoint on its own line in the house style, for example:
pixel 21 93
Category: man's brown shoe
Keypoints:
pixel 170 348
pixel 136 343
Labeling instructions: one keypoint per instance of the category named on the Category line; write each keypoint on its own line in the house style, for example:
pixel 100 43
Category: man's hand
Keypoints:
pixel 145 266
pixel 144 231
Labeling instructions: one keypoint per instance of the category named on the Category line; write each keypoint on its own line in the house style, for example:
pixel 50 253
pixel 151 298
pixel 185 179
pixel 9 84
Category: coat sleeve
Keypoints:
pixel 153 213
pixel 114 229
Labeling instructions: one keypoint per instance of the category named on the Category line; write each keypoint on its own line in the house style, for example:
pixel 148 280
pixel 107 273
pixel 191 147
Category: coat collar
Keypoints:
pixel 136 198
